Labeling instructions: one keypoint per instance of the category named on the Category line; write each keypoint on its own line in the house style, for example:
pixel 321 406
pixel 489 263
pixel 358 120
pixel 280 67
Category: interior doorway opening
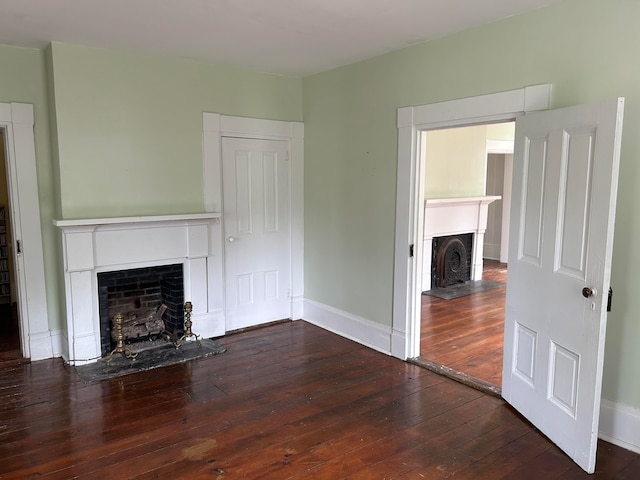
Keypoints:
pixel 9 324
pixel 462 325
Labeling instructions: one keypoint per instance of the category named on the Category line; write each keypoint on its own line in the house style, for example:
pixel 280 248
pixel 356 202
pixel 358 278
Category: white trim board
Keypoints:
pixel 216 126
pixel 358 329
pixel 620 425
pixel 17 120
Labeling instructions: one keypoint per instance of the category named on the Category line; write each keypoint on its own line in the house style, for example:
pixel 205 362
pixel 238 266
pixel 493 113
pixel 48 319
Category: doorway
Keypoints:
pixel 9 329
pixel 462 323
pixel 218 127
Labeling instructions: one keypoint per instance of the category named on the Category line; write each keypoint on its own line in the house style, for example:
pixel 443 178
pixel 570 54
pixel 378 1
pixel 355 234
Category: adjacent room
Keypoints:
pixel 465 251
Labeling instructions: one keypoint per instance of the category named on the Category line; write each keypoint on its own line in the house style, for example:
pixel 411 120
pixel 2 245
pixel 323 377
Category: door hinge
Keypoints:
pixel 286 156
pixel 18 247
pixel 609 299
pixel 411 251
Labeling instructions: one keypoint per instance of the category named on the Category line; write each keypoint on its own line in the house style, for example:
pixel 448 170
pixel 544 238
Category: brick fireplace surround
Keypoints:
pixel 92 246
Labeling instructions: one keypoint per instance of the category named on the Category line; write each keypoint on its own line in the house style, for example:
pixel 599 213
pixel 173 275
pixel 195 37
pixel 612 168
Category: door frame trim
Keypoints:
pixel 17 121
pixel 411 121
pixel 214 127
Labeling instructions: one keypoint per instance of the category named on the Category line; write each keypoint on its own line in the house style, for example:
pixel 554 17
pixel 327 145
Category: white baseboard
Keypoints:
pixel 57 342
pixel 358 329
pixel 209 324
pixel 40 346
pixel 425 281
pixel 620 425
pixel 491 251
pixel 297 308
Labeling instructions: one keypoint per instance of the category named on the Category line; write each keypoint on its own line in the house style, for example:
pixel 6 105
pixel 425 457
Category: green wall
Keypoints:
pixel 120 134
pixel 129 127
pixel 24 80
pixel 585 48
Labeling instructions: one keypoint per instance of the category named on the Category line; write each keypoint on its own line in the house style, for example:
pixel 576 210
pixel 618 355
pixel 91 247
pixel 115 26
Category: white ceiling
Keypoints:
pixel 289 37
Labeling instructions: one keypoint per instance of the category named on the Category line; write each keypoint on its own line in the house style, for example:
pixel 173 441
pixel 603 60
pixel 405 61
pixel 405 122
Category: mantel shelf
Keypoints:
pixel 85 222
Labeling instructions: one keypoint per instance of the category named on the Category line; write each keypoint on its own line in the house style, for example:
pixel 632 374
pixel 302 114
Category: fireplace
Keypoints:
pixel 444 217
pixel 451 260
pixel 93 247
pixel 151 299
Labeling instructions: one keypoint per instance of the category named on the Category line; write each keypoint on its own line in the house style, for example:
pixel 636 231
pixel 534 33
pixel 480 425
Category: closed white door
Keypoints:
pixel 257 231
pixel 563 210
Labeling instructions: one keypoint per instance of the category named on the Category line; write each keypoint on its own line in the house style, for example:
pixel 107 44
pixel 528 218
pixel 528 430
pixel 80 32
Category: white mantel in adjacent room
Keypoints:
pixel 91 246
pixel 455 216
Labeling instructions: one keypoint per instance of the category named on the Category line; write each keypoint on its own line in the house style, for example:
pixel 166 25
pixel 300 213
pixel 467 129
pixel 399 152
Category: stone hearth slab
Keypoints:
pixel 147 360
pixel 463 289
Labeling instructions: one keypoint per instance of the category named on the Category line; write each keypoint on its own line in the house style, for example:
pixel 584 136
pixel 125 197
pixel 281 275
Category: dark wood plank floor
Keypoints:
pixel 467 333
pixel 287 401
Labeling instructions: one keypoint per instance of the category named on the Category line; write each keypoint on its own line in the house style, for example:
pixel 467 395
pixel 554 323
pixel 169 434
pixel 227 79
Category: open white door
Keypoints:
pixel 257 228
pixel 563 210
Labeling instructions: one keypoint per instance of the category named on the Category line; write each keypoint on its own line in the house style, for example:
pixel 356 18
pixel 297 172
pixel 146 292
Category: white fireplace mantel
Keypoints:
pixel 91 246
pixel 455 216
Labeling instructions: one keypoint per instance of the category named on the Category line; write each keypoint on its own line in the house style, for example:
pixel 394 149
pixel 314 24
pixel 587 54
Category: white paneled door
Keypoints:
pixel 257 229
pixel 562 218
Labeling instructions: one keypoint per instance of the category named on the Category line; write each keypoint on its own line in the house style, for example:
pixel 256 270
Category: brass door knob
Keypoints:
pixel 587 292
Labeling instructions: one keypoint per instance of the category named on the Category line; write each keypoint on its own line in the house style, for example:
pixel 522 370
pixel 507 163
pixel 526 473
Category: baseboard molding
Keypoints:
pixel 425 281
pixel 209 324
pixel 57 342
pixel 297 307
pixel 491 251
pixel 40 345
pixel 620 425
pixel 358 329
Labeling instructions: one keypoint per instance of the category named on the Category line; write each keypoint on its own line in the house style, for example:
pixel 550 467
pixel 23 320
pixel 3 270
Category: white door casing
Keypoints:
pixel 491 108
pixel 256 215
pixel 506 207
pixel 561 241
pixel 17 120
pixel 215 128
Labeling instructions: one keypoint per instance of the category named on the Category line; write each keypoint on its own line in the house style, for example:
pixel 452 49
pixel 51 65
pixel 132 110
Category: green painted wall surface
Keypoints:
pixel 130 127
pixel 24 80
pixel 585 48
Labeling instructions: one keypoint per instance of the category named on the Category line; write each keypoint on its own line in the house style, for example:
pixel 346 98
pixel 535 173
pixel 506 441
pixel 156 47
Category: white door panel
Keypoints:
pixel 257 231
pixel 563 210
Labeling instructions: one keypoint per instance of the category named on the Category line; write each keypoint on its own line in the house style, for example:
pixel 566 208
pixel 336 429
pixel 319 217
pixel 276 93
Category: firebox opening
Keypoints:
pixel 151 300
pixel 451 260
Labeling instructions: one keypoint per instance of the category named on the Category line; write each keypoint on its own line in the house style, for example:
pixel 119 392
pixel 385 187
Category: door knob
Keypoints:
pixel 231 239
pixel 588 292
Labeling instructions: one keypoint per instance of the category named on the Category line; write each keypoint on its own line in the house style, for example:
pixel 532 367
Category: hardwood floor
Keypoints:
pixel 287 401
pixel 467 333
